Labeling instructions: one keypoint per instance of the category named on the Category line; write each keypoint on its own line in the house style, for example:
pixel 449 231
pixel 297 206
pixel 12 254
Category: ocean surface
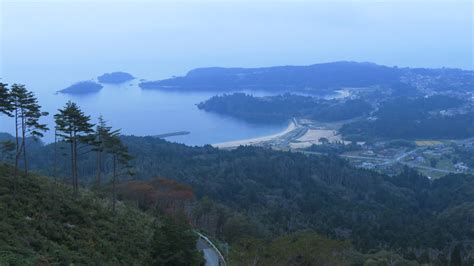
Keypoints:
pixel 147 112
pixel 48 45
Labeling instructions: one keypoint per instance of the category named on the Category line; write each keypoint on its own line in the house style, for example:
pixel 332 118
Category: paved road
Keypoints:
pixel 390 161
pixel 286 139
pixel 210 255
pixel 346 156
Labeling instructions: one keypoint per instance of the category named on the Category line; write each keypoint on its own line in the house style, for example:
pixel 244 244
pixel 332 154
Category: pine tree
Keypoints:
pixel 174 243
pixel 32 128
pixel 73 127
pixel 120 161
pixel 18 94
pixel 103 134
pixel 6 106
pixel 107 141
pixel 27 113
pixel 7 147
pixel 456 258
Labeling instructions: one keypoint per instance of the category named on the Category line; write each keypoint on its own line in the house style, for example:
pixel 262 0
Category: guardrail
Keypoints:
pixel 205 238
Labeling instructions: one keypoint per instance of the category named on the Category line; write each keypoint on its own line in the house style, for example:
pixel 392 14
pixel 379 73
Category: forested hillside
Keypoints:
pixel 435 117
pixel 110 198
pixel 42 223
pixel 317 78
pixel 281 108
pixel 280 192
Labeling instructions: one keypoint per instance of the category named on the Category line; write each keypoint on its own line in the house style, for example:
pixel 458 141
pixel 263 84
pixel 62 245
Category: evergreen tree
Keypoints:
pixel 18 94
pixel 7 147
pixel 73 127
pixel 107 141
pixel 103 135
pixel 32 128
pixel 6 106
pixel 174 244
pixel 27 113
pixel 456 258
pixel 120 160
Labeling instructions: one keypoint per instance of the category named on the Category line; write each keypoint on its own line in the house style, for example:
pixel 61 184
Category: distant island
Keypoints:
pixel 316 79
pixel 115 77
pixel 83 87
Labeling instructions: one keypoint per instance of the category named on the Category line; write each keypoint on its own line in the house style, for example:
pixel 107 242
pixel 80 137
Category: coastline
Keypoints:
pixel 253 141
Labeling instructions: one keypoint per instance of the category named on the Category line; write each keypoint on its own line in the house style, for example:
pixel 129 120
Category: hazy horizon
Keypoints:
pixel 154 40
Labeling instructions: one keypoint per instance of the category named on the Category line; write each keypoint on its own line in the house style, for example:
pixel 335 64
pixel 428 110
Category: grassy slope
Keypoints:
pixel 45 224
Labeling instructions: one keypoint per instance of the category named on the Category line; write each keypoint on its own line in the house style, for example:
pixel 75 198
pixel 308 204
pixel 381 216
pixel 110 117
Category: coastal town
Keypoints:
pixel 434 158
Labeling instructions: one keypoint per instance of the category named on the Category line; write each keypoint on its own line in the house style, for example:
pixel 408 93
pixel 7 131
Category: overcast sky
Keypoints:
pixel 162 38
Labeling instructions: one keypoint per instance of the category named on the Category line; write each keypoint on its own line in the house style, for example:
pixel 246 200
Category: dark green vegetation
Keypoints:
pixel 318 78
pixel 115 77
pixel 44 224
pixel 281 108
pixel 434 117
pixel 269 206
pixel 419 118
pixel 333 148
pixel 272 193
pixel 83 87
pixel 308 248
pixel 23 106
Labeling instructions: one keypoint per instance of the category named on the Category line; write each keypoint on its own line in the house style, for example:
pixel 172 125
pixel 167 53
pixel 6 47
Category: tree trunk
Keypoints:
pixel 113 182
pixel 55 162
pixel 17 155
pixel 72 165
pixel 17 139
pixel 75 166
pixel 99 168
pixel 23 134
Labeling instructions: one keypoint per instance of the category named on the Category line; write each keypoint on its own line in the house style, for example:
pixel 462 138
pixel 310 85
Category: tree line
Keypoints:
pixel 281 108
pixel 72 128
pixel 434 117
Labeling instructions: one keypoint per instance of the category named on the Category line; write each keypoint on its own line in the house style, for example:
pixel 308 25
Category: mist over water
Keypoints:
pixel 50 45
pixel 151 112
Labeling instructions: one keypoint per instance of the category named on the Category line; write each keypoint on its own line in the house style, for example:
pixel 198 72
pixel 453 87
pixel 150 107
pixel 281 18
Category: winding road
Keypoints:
pixel 212 255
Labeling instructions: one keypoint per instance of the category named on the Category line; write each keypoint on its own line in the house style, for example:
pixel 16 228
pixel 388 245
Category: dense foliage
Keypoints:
pixel 301 248
pixel 42 223
pixel 282 192
pixel 420 118
pixel 271 206
pixel 308 248
pixel 435 117
pixel 281 108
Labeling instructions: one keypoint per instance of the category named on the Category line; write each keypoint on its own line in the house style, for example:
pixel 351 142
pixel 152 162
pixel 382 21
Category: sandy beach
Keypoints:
pixel 254 141
pixel 312 136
